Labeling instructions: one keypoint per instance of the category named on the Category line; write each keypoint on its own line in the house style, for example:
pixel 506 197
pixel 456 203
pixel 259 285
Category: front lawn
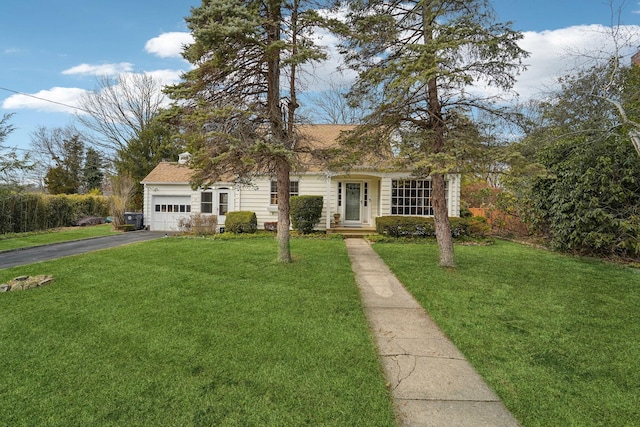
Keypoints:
pixel 197 332
pixel 557 337
pixel 24 240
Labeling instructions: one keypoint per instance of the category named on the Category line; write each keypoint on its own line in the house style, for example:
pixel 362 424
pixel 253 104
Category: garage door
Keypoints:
pixel 167 210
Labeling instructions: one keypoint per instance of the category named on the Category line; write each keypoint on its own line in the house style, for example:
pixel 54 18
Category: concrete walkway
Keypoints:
pixel 431 382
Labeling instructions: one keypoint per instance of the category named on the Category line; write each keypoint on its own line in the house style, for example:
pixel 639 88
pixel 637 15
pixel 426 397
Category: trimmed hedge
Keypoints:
pixel 241 222
pixel 305 212
pixel 417 226
pixel 21 213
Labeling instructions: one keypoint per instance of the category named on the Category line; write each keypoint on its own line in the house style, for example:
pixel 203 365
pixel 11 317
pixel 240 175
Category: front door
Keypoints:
pixel 353 202
pixel 223 204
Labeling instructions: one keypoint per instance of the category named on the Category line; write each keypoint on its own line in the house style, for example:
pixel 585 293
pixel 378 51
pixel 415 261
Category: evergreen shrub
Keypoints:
pixel 305 212
pixel 417 226
pixel 21 213
pixel 241 222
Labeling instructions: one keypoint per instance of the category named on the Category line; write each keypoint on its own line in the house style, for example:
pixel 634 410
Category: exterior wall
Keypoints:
pixel 256 197
pixel 152 191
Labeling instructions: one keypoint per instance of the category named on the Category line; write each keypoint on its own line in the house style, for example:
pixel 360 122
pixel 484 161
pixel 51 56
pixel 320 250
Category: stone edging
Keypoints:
pixel 22 283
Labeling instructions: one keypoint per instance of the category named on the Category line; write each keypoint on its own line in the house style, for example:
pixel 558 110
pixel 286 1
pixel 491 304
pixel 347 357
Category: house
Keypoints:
pixel 359 195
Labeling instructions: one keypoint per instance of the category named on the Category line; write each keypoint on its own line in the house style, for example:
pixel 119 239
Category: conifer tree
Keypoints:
pixel 424 65
pixel 237 107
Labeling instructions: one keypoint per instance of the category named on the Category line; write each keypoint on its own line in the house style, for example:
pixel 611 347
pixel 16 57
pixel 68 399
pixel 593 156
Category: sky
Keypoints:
pixel 51 52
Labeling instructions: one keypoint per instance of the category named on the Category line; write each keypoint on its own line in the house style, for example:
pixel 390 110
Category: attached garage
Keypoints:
pixel 168 210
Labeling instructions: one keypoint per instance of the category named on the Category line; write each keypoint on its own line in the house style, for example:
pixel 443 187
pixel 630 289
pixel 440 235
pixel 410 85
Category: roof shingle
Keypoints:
pixel 314 136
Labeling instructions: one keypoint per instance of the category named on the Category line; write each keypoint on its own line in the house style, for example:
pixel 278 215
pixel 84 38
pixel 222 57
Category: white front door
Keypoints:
pixel 353 203
pixel 224 202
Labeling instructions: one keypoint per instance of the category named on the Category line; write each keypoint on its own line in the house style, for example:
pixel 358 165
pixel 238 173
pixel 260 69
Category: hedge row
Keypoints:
pixel 415 226
pixel 20 213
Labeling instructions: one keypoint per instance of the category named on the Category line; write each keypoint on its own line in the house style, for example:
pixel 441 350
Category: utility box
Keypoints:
pixel 135 219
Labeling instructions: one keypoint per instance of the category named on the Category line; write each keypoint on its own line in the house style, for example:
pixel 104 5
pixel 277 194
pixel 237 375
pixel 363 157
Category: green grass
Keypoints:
pixel 195 332
pixel 557 337
pixel 24 240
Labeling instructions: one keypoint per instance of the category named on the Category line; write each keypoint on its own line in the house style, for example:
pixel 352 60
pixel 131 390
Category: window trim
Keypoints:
pixel 206 206
pixel 273 191
pixel 413 197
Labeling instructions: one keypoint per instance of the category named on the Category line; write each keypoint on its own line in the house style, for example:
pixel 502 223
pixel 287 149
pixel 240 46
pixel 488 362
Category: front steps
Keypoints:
pixel 352 232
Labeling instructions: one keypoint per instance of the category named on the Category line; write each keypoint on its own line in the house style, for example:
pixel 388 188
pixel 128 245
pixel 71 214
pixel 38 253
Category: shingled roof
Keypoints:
pixel 314 136
pixel 170 173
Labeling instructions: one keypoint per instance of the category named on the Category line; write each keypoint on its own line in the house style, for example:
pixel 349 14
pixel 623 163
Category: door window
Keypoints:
pixel 223 203
pixel 352 201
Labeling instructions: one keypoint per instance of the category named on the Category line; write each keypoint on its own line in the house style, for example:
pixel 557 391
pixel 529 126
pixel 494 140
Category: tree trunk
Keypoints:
pixel 278 132
pixel 282 176
pixel 437 125
pixel 441 219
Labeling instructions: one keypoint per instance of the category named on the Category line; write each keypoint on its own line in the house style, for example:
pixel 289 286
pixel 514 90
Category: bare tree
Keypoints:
pixel 123 187
pixel 120 109
pixel 11 165
pixel 332 106
pixel 607 66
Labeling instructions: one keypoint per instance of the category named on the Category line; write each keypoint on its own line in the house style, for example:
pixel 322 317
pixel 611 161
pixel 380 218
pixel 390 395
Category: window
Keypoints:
pixel 223 203
pixel 172 208
pixel 293 191
pixel 412 197
pixel 366 194
pixel 206 202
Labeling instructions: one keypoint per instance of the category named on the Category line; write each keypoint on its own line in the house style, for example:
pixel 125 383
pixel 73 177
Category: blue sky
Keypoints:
pixel 56 49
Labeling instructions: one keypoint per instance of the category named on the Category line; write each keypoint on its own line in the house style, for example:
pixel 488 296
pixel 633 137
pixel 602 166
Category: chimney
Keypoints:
pixel 184 158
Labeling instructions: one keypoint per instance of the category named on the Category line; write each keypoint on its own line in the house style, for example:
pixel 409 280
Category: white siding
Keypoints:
pixel 184 193
pixel 256 198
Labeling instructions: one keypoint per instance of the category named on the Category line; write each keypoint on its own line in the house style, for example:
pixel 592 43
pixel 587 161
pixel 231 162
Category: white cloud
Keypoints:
pixel 325 75
pixel 166 77
pixel 101 69
pixel 559 52
pixel 168 45
pixel 57 99
pixel 553 53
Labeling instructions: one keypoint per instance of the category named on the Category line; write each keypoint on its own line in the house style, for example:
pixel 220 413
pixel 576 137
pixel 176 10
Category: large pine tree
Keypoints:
pixel 237 107
pixel 418 62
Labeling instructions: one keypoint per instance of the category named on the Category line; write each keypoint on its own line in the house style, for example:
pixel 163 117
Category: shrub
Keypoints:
pixel 271 226
pixel 241 222
pixel 199 224
pixel 405 226
pixel 417 226
pixel 305 212
pixel 21 213
pixel 60 211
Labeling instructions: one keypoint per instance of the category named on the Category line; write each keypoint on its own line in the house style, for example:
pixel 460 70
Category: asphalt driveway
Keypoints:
pixel 58 250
